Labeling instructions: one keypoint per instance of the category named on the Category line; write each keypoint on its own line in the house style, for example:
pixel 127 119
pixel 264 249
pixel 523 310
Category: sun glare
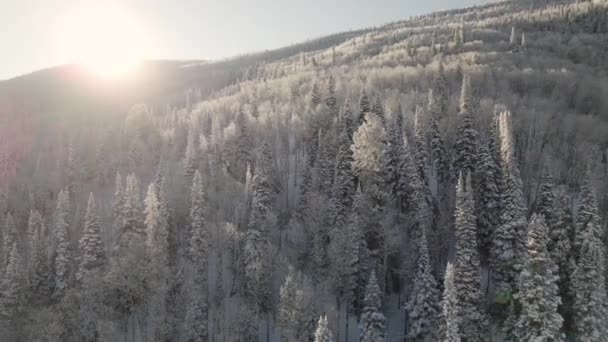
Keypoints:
pixel 105 40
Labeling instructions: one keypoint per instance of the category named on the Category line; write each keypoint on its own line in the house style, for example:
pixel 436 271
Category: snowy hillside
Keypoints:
pixel 441 178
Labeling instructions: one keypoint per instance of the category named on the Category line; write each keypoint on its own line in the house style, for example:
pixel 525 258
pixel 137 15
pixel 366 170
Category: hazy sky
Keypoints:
pixel 197 29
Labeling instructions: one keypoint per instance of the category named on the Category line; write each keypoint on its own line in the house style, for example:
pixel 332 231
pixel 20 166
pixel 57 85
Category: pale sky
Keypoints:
pixel 32 37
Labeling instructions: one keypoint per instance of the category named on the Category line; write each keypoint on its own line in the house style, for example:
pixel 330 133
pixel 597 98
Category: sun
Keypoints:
pixel 107 41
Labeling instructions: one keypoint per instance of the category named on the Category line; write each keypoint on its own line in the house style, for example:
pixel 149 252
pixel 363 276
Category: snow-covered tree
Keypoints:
pixel 330 97
pixel 369 153
pixel 449 308
pixel 467 268
pixel 589 290
pixel 373 323
pixel 10 237
pixel 466 139
pixel 315 95
pixel 378 109
pixel 296 310
pixel 63 254
pixel 513 38
pixel 14 285
pixel 508 247
pixel 118 203
pixel 190 162
pixel 439 155
pixel 421 150
pixel 132 230
pixel 423 305
pixel 441 92
pixel 344 184
pixel 257 244
pixel 40 272
pixel 487 199
pixel 197 310
pixel 588 219
pixel 538 291
pixel 323 334
pixel 93 255
pixel 157 250
pixel 364 106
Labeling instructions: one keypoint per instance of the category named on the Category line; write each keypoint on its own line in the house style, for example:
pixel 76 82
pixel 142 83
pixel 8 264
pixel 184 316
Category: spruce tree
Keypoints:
pixel 421 150
pixel 118 203
pixel 315 95
pixel 378 109
pixel 132 231
pixel 10 237
pixel 450 315
pixel 509 238
pixel 467 268
pixel 40 284
pixel 257 243
pixel 372 323
pixel 588 219
pixel 330 98
pixel 538 291
pixel 93 255
pixel 423 305
pixel 439 155
pixel 296 310
pixel 63 254
pixel 466 138
pixel 441 92
pixel 589 290
pixel 14 285
pixel 243 148
pixel 344 186
pixel 157 250
pixel 197 310
pixel 487 200
pixel 190 162
pixel 323 334
pixel 364 106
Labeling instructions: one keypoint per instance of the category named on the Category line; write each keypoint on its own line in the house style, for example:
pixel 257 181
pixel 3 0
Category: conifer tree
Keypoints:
pixel 372 324
pixel 587 214
pixel 588 288
pixel 441 92
pixel 190 162
pixel 243 149
pixel 369 153
pixel 330 97
pixel 157 249
pixel 423 306
pixel 538 290
pixel 343 187
pixel 487 204
pixel 509 238
pixel 439 156
pixel 364 106
pixel 40 284
pixel 63 254
pixel 91 244
pixel 10 237
pixel 14 285
pixel 556 216
pixel 118 203
pixel 466 138
pixel 449 308
pixel 132 229
pixel 315 95
pixel 296 311
pixel 354 267
pixel 378 109
pixel 323 334
pixel 197 310
pixel 257 244
pixel 420 142
pixel 467 269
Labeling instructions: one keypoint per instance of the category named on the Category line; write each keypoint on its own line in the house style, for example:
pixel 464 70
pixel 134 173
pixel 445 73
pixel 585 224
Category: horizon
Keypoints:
pixel 46 41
